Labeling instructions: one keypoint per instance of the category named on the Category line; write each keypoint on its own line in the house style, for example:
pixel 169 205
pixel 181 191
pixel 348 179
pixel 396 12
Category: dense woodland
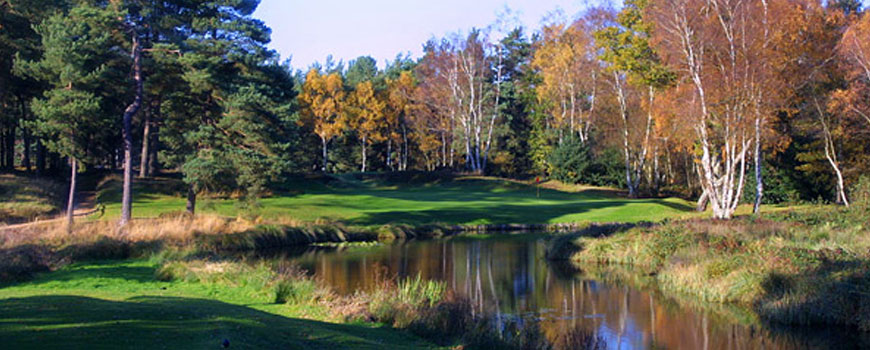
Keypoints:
pixel 726 101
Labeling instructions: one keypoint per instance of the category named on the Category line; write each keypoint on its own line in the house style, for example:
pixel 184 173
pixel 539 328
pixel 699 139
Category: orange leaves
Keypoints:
pixel 322 98
pixel 854 52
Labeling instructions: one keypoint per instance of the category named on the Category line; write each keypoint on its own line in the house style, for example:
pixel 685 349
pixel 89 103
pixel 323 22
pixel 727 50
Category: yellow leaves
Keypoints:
pixel 322 99
pixel 562 60
pixel 365 113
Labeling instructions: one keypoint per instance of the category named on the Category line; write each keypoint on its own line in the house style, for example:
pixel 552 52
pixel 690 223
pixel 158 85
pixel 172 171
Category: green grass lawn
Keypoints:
pixel 118 305
pixel 362 200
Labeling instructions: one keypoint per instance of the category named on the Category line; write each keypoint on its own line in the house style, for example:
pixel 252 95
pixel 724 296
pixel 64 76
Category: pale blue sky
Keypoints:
pixel 309 30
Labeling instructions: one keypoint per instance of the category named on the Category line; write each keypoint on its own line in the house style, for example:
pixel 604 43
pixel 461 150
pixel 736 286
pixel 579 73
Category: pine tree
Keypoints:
pixel 74 47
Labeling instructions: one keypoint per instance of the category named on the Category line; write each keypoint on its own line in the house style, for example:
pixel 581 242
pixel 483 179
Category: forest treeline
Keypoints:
pixel 726 101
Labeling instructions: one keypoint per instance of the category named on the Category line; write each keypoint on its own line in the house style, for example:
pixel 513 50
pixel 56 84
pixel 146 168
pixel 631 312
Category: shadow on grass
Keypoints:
pixel 72 322
pixel 491 214
pixel 836 292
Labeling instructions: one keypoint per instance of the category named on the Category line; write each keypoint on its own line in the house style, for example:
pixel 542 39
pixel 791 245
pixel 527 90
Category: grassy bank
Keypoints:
pixel 808 266
pixel 413 199
pixel 26 199
pixel 175 299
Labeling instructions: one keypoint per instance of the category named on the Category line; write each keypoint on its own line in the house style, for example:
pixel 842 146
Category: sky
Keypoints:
pixel 309 30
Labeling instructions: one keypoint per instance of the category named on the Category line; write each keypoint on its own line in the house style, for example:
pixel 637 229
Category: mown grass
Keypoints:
pixel 414 199
pixel 26 199
pixel 808 266
pixel 114 305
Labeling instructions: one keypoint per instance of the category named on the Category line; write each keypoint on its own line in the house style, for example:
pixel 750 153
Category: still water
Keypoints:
pixel 508 274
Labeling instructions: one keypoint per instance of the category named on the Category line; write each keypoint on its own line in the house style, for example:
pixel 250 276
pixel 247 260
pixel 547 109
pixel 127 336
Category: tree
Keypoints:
pixel 627 50
pixel 854 52
pixel 399 108
pixel 365 112
pixel 19 40
pixel 75 45
pixel 361 70
pixel 460 87
pixel 322 99
pixel 569 72
pixel 715 44
pixel 826 135
pixel 517 105
pixel 229 115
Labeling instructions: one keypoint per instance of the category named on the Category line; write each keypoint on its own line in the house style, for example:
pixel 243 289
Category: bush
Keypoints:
pixel 779 187
pixel 608 169
pixel 569 161
pixel 572 162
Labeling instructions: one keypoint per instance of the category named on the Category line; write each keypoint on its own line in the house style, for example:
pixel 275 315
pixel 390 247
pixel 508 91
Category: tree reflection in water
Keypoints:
pixel 509 277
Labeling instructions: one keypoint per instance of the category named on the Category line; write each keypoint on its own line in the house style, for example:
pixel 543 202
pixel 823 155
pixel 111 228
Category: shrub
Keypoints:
pixel 573 162
pixel 569 161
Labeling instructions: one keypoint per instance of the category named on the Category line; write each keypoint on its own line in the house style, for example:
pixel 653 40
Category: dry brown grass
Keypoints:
pixel 180 229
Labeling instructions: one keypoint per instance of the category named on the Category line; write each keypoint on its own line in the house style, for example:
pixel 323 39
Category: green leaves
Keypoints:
pixel 76 55
pixel 626 47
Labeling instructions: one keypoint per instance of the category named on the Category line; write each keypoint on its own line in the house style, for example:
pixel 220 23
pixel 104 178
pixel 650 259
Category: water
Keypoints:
pixel 508 274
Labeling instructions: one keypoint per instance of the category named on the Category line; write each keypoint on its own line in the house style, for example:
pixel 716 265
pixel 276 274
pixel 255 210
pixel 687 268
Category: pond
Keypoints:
pixel 508 274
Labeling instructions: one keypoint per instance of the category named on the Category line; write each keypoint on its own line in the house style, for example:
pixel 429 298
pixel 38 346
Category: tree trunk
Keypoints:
pixel 702 202
pixel 390 154
pixel 325 155
pixel 71 204
pixel 54 163
pixel 831 156
pixel 191 199
pixel 25 134
pixel 153 147
pixel 146 140
pixel 10 145
pixel 4 160
pixel 632 192
pixel 3 148
pixel 364 140
pixel 759 183
pixel 40 158
pixel 132 109
pixel 405 150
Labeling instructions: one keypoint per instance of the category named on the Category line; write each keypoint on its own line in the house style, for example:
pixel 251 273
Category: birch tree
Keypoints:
pixel 711 43
pixel 570 73
pixel 631 60
pixel 322 98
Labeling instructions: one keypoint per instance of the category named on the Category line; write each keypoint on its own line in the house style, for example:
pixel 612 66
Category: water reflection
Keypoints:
pixel 509 275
